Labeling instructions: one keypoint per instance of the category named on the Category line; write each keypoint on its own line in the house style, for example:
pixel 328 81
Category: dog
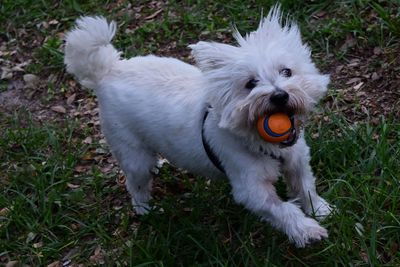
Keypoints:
pixel 203 118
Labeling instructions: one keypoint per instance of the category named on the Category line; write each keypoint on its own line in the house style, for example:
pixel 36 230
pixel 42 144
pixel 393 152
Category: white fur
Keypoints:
pixel 152 105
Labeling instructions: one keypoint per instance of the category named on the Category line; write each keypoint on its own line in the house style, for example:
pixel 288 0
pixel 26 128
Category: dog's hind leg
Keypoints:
pixel 137 163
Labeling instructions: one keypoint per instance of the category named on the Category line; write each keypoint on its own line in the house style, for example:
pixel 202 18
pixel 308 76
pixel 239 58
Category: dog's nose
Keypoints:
pixel 279 97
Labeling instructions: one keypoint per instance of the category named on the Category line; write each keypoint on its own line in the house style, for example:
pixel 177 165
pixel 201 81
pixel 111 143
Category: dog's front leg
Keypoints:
pixel 301 181
pixel 252 186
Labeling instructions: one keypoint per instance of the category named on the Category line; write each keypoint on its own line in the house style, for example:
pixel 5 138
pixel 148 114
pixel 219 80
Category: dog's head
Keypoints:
pixel 270 71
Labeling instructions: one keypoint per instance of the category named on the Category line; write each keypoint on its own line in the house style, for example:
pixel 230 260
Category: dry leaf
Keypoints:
pixel 377 50
pixel 73 186
pixel 31 80
pixel 88 156
pixel 6 73
pixel 106 169
pixel 354 63
pixel 38 245
pixel 11 264
pixel 364 256
pixel 152 16
pixel 375 76
pixel 71 99
pixel 75 226
pixel 358 86
pixel 315 135
pixel 353 80
pixel 55 264
pixel 30 237
pixel 59 109
pixel 4 211
pixel 320 14
pixel 53 22
pixel 339 68
pixel 97 257
pixel 88 140
pixel 81 168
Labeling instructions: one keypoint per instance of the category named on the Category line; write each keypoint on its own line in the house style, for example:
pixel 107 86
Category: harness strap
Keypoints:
pixel 210 153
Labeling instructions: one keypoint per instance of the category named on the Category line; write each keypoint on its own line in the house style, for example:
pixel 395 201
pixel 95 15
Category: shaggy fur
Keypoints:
pixel 155 105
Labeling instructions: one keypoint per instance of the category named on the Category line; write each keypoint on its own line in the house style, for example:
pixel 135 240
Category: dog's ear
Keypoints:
pixel 211 55
pixel 320 86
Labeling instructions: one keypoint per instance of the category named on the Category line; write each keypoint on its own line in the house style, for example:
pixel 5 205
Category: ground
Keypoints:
pixel 63 202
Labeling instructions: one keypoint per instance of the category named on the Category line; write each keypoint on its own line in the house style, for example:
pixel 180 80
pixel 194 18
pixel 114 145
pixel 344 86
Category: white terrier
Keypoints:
pixel 203 119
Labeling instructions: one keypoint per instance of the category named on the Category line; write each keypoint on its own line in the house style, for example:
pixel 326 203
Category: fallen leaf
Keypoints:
pixel 339 68
pixel 6 73
pixel 53 22
pixel 71 99
pixel 38 245
pixel 320 14
pixel 73 186
pixel 364 256
pixel 315 135
pixel 88 140
pixel 98 256
pixel 30 237
pixel 55 264
pixel 377 50
pixel 4 211
pixel 375 76
pixel 152 16
pixel 81 168
pixel 353 80
pixel 349 43
pixel 358 86
pixel 31 80
pixel 88 155
pixel 354 63
pixel 75 226
pixel 106 169
pixel 59 109
pixel 11 264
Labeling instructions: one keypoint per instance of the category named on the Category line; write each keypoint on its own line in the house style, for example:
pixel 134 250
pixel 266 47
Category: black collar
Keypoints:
pixel 210 153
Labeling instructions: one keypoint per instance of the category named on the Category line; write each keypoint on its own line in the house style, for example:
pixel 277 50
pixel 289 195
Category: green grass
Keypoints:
pixel 194 222
pixel 51 211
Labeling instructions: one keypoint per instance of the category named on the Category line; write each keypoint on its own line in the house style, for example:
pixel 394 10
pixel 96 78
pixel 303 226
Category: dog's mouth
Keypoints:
pixel 293 135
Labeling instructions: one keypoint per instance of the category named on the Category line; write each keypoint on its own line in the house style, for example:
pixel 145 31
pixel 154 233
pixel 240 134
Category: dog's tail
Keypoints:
pixel 89 54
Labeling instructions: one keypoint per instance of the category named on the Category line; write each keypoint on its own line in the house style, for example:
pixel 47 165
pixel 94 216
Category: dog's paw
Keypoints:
pixel 141 210
pixel 306 231
pixel 320 209
pixel 140 202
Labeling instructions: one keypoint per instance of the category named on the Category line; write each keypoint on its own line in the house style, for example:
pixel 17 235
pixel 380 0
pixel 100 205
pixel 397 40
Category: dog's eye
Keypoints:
pixel 285 72
pixel 251 84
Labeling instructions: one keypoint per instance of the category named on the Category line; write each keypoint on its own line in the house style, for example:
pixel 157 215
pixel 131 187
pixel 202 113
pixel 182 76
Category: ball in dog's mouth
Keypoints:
pixel 278 128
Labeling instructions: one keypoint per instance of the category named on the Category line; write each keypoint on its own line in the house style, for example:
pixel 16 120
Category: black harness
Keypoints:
pixel 211 155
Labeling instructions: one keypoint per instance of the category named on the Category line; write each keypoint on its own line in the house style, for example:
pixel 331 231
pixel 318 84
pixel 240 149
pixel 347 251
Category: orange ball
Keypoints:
pixel 274 128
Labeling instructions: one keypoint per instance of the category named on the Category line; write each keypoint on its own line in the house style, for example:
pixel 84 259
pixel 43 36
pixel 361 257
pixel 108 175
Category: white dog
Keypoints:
pixel 203 119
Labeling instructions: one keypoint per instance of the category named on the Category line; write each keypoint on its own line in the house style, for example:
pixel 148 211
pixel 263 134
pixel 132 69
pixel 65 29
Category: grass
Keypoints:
pixel 57 204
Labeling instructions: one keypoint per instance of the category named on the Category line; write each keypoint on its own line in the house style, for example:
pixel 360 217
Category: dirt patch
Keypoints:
pixel 367 85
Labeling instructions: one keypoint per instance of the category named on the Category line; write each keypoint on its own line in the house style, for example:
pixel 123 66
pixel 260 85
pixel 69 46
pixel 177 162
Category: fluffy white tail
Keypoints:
pixel 89 54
